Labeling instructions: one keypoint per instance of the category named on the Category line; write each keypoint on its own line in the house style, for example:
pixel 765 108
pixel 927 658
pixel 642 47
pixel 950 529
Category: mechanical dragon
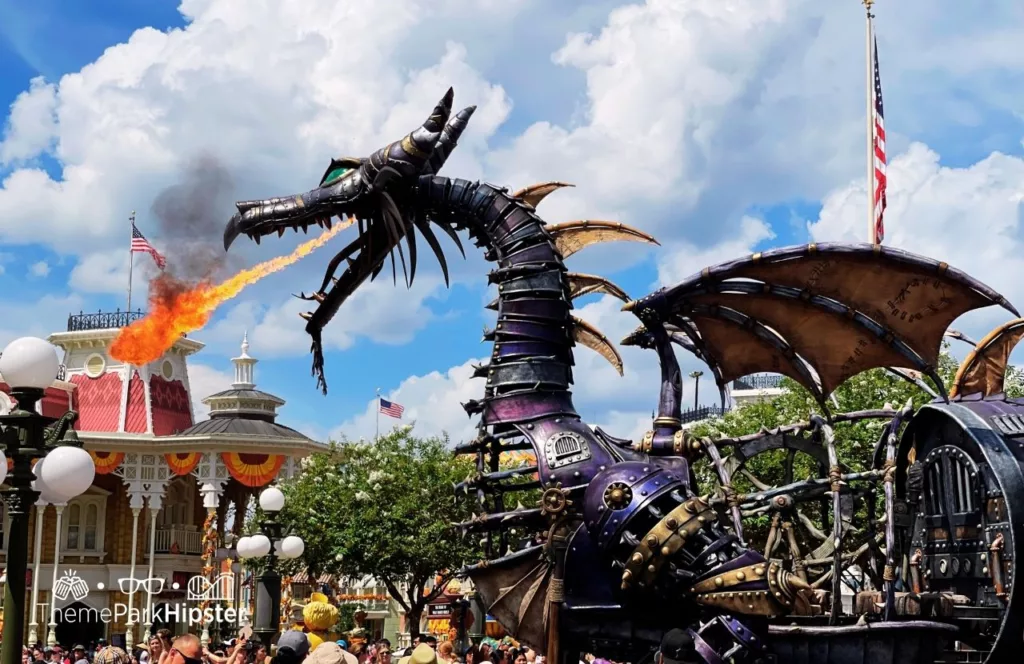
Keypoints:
pixel 621 548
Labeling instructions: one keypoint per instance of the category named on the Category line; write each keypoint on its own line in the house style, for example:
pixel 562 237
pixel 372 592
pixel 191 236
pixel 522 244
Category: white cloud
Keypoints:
pixel 32 123
pixel 36 318
pixel 380 311
pixel 39 269
pixel 204 380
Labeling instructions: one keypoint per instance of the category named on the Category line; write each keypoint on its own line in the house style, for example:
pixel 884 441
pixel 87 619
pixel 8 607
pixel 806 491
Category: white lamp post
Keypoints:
pixel 29 366
pixel 270 544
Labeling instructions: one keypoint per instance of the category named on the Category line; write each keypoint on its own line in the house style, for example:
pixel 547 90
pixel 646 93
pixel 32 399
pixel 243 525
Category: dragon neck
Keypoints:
pixel 530 369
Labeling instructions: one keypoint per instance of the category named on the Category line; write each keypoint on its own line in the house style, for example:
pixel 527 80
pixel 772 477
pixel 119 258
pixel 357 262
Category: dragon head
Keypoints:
pixel 377 194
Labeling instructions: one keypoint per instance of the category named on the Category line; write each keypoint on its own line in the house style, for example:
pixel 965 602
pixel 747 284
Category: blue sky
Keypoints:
pixel 718 133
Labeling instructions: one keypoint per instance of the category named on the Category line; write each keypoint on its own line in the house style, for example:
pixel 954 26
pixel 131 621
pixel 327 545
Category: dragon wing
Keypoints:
pixel 819 313
pixel 984 368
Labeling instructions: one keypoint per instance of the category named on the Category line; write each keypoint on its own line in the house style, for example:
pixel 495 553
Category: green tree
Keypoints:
pixel 384 509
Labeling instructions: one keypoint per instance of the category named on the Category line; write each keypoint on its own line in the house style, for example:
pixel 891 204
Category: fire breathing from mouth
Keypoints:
pixel 175 310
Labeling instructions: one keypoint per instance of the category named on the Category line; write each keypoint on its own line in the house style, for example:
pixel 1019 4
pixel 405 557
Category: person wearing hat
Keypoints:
pixel 292 647
pixel 423 654
pixel 677 648
pixel 112 655
pixel 78 654
pixel 330 653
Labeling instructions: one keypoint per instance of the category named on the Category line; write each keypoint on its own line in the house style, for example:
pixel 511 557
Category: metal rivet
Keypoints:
pixel 719 582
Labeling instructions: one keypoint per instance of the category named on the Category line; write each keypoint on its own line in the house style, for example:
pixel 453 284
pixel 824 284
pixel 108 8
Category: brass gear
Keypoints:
pixel 618 496
pixel 554 501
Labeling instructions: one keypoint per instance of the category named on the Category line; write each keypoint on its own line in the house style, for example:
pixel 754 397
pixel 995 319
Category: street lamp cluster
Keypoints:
pixel 47 463
pixel 269 543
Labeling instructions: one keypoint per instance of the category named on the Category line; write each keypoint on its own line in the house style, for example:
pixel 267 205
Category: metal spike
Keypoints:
pixel 655 512
pixel 327 223
pixel 280 231
pixel 306 315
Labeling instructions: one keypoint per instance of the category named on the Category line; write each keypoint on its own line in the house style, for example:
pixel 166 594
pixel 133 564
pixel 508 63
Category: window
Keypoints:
pixel 94 365
pixel 167 370
pixel 83 524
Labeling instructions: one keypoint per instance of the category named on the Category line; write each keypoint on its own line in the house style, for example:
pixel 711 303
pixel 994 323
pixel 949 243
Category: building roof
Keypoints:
pixel 239 426
pixel 243 411
pixel 245 394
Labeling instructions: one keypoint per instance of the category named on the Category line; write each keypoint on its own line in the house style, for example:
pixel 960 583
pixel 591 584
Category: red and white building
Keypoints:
pixel 160 476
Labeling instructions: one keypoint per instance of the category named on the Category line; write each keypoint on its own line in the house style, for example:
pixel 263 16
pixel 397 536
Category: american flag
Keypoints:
pixel 879 142
pixel 140 243
pixel 391 409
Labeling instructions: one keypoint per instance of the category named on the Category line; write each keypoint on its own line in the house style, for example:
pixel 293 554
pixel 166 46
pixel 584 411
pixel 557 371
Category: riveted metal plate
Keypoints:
pixel 565 447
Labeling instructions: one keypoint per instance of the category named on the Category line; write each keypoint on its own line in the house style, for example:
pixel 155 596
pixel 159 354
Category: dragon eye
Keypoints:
pixel 335 175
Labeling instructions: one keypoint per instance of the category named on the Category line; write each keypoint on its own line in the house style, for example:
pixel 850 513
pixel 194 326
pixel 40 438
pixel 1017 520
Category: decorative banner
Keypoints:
pixel 106 462
pixel 252 470
pixel 183 463
pixel 518 458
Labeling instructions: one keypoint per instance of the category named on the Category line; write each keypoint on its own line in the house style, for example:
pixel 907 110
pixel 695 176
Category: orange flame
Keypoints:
pixel 176 309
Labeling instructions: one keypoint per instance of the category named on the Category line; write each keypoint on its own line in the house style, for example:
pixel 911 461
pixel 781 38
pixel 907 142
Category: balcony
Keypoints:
pixel 103 320
pixel 700 413
pixel 179 539
pixel 758 382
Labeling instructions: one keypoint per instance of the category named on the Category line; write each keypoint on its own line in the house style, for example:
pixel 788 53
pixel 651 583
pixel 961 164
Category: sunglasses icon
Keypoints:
pixel 153 586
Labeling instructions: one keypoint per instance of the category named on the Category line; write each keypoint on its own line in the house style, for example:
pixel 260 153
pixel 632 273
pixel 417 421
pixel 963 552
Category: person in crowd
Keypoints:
pixel 78 655
pixel 445 653
pixel 423 654
pixel 677 648
pixel 472 655
pixel 382 654
pixel 292 648
pixel 520 658
pixel 114 655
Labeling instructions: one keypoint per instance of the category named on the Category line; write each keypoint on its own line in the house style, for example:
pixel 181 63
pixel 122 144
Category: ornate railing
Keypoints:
pixel 103 320
pixel 178 540
pixel 758 382
pixel 701 413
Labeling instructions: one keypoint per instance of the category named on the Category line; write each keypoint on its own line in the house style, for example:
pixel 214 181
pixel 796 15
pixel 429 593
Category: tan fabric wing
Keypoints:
pixel 984 369
pixel 571 236
pixel 836 347
pixel 584 284
pixel 535 193
pixel 916 305
pixel 740 353
pixel 516 597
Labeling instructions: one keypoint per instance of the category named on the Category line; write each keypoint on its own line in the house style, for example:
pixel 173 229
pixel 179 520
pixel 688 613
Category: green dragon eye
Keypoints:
pixel 336 175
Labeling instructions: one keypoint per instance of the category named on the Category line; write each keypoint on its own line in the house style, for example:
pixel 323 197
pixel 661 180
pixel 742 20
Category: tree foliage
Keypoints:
pixel 383 509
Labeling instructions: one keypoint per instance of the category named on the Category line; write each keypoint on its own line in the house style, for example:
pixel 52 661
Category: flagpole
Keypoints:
pixel 377 435
pixel 870 90
pixel 131 257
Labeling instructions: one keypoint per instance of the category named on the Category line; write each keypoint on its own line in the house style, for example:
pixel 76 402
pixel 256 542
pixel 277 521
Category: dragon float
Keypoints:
pixel 621 548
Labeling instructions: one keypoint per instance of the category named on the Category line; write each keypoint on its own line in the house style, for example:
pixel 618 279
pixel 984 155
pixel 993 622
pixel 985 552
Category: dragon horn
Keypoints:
pixel 409 155
pixel 449 140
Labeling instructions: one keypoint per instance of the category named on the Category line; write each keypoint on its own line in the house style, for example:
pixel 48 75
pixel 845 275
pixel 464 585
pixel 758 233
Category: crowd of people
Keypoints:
pixel 293 648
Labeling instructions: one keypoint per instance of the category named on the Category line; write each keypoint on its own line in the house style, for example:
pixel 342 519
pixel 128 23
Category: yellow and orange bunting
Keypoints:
pixel 106 462
pixel 183 463
pixel 252 470
pixel 518 458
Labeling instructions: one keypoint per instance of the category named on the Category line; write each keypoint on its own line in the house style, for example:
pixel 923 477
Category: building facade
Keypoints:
pixel 124 558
